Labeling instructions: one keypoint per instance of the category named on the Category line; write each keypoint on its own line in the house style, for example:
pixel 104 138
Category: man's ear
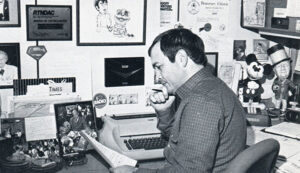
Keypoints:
pixel 181 58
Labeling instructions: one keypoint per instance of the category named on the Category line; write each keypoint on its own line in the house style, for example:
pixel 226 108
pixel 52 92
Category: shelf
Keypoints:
pixel 289 37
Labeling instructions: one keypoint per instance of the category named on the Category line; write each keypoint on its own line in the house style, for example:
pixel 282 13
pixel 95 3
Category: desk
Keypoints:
pixel 97 164
pixel 289 154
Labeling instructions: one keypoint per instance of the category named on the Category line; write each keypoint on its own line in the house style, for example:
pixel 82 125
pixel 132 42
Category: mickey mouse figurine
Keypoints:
pixel 250 87
pixel 281 85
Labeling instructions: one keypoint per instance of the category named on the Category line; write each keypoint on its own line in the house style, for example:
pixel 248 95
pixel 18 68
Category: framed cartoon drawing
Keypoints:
pixel 10 13
pixel 107 22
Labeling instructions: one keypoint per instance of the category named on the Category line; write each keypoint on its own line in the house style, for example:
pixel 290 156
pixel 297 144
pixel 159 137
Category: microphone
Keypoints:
pixel 207 27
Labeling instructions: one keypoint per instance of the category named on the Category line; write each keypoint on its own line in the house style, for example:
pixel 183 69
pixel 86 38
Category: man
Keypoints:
pixel 77 122
pixel 208 128
pixel 7 72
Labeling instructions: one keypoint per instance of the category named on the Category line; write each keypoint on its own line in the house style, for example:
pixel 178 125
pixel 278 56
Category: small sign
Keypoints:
pixel 36 52
pixel 100 100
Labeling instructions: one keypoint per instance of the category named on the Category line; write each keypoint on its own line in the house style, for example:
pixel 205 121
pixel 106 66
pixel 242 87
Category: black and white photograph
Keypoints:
pixel 10 13
pixel 260 48
pixel 239 48
pixel 71 118
pixel 135 86
pixel 9 63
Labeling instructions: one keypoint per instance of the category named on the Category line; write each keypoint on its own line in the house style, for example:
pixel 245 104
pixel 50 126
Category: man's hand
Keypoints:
pixel 123 169
pixel 160 99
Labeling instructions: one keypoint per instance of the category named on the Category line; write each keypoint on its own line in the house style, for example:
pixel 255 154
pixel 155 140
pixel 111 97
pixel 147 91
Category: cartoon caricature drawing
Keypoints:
pixel 103 18
pixel 121 19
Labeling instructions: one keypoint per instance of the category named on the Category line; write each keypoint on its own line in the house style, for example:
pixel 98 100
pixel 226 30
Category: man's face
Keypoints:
pixel 3 60
pixel 166 72
pixel 282 70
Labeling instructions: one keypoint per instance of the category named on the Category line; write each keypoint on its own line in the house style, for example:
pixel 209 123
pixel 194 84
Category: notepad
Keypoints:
pixel 288 129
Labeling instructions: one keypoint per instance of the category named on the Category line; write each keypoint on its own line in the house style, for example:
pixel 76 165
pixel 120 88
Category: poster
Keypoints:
pixel 196 13
pixel 168 13
pixel 260 48
pixel 254 13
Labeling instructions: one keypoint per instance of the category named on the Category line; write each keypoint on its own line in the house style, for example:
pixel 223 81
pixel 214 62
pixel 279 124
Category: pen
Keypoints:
pixel 157 90
pixel 160 90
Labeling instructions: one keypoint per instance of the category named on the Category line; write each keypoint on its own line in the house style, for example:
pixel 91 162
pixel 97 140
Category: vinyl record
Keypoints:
pixel 14 166
pixel 43 166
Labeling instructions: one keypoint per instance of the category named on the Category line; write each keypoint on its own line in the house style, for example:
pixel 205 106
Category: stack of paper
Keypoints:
pixel 288 129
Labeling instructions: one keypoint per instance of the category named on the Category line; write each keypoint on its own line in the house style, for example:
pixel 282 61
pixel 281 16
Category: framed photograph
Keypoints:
pixel 10 69
pixel 10 13
pixel 212 59
pixel 71 118
pixel 239 47
pixel 9 64
pixel 118 22
pixel 260 48
pixel 45 22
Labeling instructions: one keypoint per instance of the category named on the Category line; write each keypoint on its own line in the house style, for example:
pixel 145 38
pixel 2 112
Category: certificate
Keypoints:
pixel 49 22
pixel 196 13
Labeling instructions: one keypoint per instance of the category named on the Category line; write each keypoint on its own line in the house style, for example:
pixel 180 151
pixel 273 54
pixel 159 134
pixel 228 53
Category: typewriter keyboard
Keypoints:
pixel 146 143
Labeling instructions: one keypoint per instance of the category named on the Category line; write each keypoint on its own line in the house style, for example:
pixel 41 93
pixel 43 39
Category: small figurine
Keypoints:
pixel 282 85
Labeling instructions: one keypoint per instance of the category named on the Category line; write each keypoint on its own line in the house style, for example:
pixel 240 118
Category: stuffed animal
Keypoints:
pixel 251 86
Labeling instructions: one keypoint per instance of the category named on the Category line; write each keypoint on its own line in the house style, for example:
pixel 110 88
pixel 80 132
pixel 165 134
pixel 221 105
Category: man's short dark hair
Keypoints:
pixel 173 40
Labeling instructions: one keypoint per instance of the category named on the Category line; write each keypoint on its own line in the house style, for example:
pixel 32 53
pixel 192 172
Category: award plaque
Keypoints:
pixel 46 22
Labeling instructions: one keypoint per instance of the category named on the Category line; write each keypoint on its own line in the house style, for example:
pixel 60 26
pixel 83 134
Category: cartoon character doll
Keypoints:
pixel 282 86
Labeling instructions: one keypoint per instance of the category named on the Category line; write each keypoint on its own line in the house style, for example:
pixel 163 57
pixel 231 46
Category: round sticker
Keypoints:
pixel 100 100
pixel 193 7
